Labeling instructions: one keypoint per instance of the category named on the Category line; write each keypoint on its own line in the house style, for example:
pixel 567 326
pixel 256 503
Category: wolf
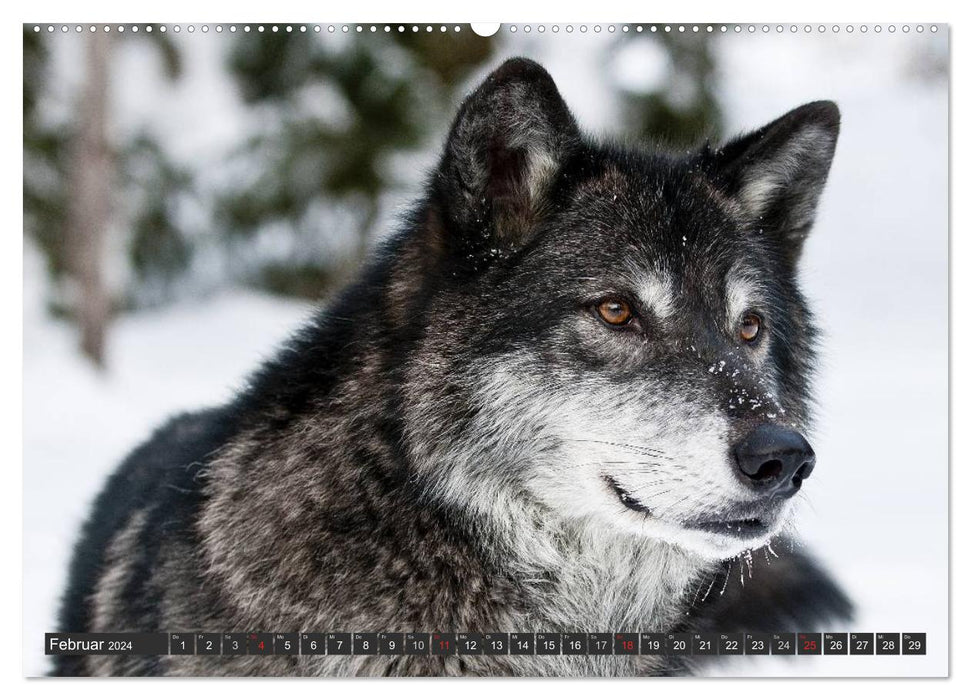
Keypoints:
pixel 570 394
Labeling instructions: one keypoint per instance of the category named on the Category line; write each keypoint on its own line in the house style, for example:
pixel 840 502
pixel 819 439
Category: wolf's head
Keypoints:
pixel 612 334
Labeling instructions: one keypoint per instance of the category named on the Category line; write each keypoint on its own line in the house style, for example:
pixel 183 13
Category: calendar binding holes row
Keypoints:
pixel 509 28
pixel 489 644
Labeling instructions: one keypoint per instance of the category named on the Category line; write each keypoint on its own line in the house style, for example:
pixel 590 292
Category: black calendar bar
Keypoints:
pixel 488 644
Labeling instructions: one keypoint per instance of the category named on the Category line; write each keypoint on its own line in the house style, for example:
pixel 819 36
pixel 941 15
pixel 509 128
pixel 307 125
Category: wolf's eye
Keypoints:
pixel 615 312
pixel 750 327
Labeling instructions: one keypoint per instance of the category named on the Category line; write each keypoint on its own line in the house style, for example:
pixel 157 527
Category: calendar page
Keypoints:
pixel 522 349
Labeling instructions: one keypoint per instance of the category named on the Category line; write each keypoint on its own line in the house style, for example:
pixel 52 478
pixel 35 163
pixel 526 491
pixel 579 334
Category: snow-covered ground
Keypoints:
pixel 876 270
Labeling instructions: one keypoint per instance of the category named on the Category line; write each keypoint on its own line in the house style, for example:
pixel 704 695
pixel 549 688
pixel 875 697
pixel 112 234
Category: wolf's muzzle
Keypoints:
pixel 774 460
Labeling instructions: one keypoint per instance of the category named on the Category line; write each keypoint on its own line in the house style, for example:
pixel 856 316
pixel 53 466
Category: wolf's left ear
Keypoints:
pixel 503 152
pixel 776 174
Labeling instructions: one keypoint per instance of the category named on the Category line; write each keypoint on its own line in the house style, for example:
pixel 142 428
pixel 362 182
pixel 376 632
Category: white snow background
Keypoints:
pixel 875 270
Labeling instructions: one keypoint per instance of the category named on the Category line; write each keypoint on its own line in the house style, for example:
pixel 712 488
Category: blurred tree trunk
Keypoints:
pixel 89 203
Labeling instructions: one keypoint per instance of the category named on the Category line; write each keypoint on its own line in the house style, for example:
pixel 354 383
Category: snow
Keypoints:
pixel 875 270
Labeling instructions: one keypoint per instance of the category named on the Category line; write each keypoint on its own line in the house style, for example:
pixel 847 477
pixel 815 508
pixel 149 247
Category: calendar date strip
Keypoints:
pixel 487 644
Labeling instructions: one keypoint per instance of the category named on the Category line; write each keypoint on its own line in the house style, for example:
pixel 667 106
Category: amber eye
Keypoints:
pixel 750 327
pixel 615 312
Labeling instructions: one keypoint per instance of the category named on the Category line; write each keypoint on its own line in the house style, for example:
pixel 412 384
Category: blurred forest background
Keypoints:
pixel 336 126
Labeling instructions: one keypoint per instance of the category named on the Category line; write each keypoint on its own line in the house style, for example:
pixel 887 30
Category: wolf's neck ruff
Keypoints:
pixel 580 575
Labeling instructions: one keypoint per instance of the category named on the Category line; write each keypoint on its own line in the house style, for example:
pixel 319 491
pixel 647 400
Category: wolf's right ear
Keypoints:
pixel 504 149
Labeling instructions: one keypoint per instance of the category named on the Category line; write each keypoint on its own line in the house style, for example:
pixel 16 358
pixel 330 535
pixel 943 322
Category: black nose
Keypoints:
pixel 775 459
